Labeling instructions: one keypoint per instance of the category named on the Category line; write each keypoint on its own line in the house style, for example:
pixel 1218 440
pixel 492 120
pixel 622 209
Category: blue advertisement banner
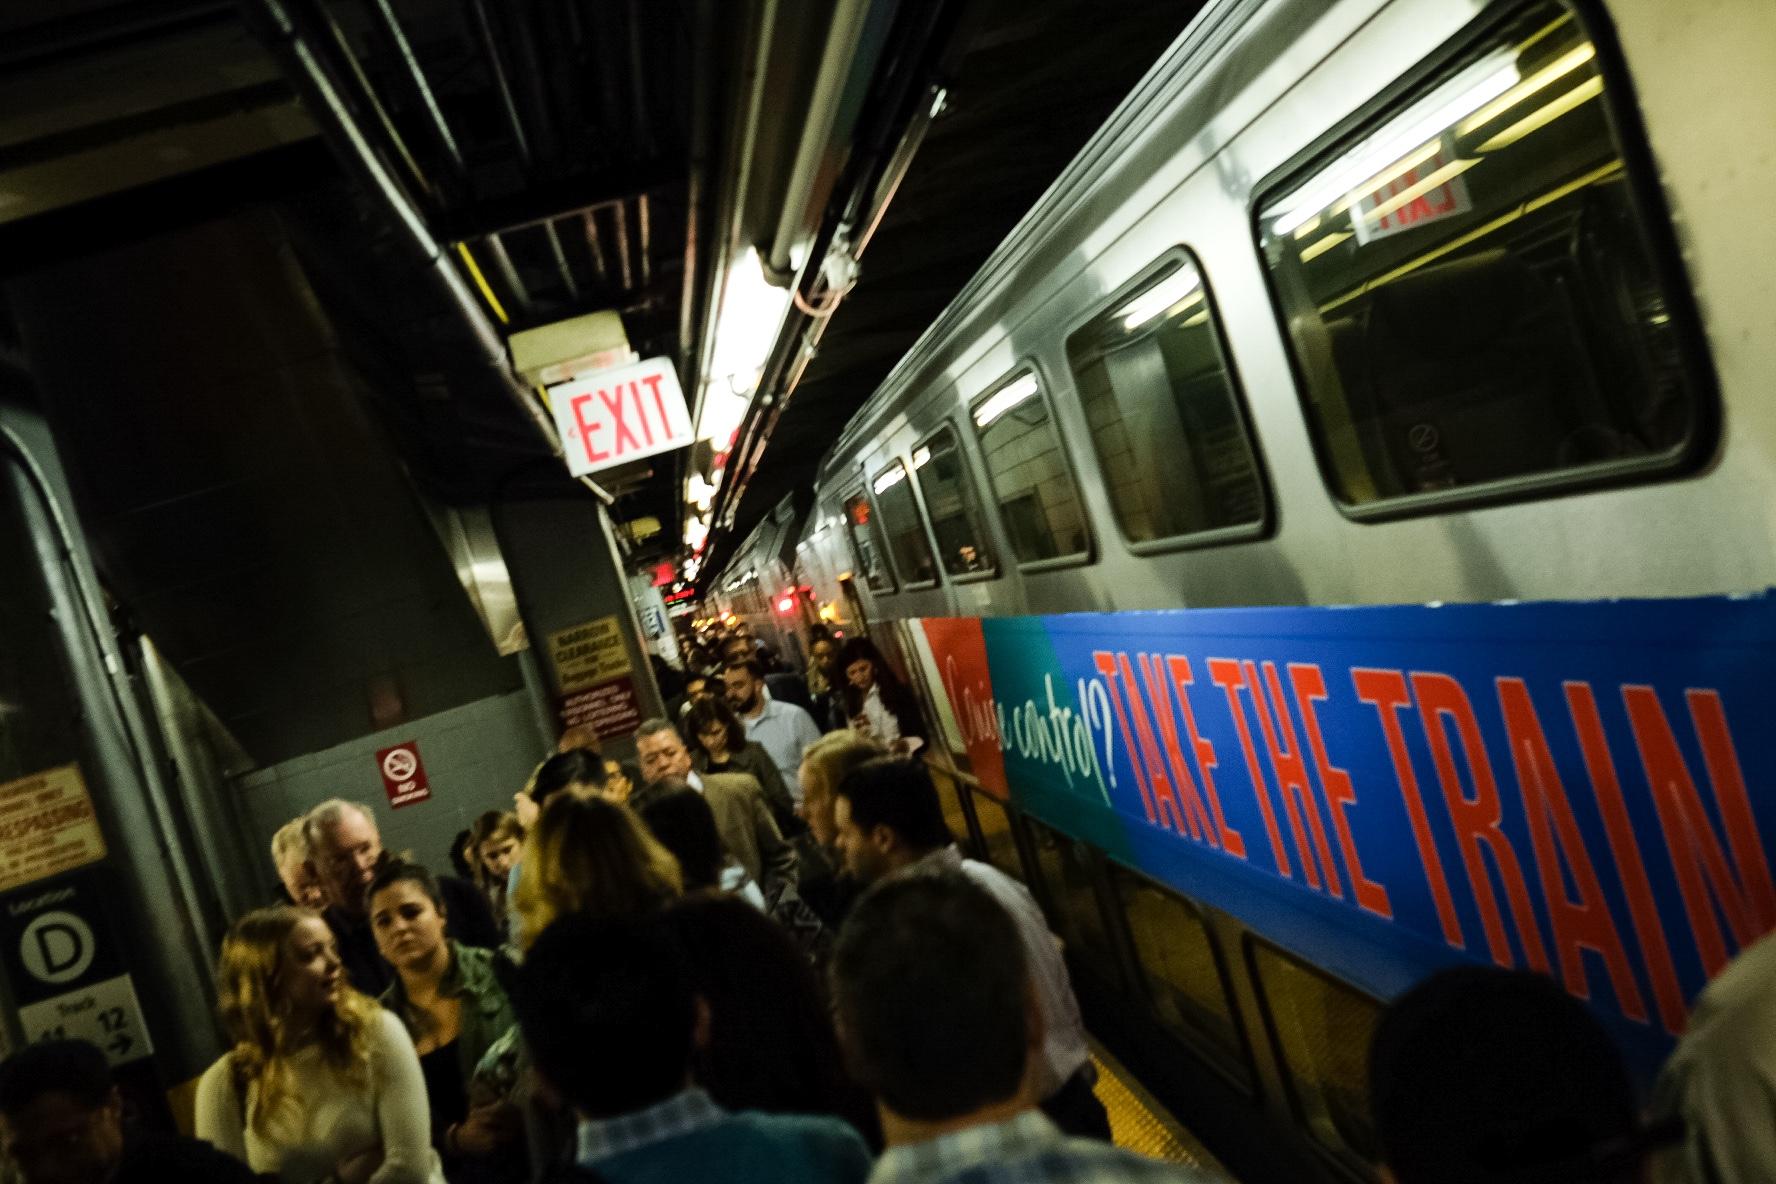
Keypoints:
pixel 1574 788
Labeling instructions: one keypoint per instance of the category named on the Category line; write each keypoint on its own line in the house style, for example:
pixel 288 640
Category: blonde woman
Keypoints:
pixel 589 855
pixel 322 1085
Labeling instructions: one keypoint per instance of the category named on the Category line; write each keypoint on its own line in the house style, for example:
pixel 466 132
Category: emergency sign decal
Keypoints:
pixel 1577 789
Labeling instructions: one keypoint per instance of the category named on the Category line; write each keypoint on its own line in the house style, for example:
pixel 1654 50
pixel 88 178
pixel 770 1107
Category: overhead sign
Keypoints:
pixel 47 826
pixel 403 775
pixel 611 417
pixel 1576 789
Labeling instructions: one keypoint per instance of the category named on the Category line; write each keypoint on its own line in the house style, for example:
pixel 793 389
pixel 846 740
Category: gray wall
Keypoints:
pixel 476 757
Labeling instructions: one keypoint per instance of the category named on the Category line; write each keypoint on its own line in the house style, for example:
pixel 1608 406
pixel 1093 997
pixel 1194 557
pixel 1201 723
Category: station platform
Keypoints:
pixel 1140 1123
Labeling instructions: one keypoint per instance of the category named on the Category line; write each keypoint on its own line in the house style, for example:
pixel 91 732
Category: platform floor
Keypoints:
pixel 1140 1123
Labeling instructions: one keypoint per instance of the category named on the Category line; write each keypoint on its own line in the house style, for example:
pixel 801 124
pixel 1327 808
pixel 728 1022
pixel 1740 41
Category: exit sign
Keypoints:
pixel 611 417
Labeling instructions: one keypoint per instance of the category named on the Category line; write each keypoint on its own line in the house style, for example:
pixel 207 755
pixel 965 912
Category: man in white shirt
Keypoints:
pixel 890 823
pixel 782 729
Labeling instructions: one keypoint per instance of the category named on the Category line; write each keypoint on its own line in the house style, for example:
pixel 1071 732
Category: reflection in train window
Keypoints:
pixel 949 499
pixel 995 827
pixel 1181 971
pixel 1470 289
pixel 866 542
pixel 902 525
pixel 1028 471
pixel 1067 884
pixel 1323 1029
pixel 1178 465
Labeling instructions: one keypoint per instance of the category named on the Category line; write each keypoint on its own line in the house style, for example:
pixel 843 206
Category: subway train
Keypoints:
pixel 1330 537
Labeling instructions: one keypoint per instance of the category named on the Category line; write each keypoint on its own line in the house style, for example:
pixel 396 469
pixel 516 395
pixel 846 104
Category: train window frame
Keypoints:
pixel 921 521
pixel 978 504
pixel 845 524
pixel 1237 1065
pixel 1219 536
pixel 1654 222
pixel 1045 392
pixel 1337 1149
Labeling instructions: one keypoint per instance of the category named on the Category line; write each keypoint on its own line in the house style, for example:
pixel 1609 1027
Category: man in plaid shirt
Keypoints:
pixel 939 1020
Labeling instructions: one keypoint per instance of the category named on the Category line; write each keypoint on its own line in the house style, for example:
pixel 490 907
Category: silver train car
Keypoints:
pixel 1352 302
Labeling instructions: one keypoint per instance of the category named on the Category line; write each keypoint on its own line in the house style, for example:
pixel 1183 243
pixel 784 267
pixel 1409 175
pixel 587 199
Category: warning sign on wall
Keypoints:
pixel 611 708
pixel 403 776
pixel 47 826
pixel 589 654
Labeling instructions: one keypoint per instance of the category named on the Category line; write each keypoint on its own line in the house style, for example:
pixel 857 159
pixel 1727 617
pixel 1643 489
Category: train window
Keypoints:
pixel 1028 470
pixel 1165 418
pixel 1323 1029
pixel 1067 884
pixel 866 542
pixel 1471 290
pixel 950 500
pixel 1181 970
pixel 904 527
pixel 995 828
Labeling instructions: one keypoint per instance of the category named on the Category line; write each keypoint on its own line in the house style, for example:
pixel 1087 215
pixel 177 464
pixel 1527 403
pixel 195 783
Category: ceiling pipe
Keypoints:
pixel 321 95
pixel 838 63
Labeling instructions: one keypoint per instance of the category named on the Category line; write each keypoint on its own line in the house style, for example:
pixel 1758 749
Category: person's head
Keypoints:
pixel 344 846
pixel 61 1118
pixel 770 1043
pixel 738 649
pixel 685 826
pixel 886 814
pixel 712 726
pixel 462 854
pixel 580 736
pixel 620 780
pixel 661 750
pixel 289 854
pixel 577 770
pixel 587 855
pixel 827 762
pixel 743 680
pixel 606 1006
pixel 495 838
pixel 1487 1076
pixel 861 662
pixel 932 994
pixel 824 652
pixel 407 915
pixel 697 686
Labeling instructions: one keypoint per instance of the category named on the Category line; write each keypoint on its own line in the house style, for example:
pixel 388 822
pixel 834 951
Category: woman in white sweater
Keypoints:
pixel 322 1086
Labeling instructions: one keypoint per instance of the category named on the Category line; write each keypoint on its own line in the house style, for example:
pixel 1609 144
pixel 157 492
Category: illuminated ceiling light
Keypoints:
pixel 699 493
pixel 890 479
pixel 921 458
pixel 1542 116
pixel 1424 121
pixel 1175 293
pixel 751 312
pixel 1560 67
pixel 1326 244
pixel 1004 400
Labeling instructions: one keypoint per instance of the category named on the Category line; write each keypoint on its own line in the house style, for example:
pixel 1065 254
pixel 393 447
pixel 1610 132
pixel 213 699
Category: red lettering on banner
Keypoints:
pixel 615 407
pixel 1153 671
pixel 1648 930
pixel 1309 685
pixel 1476 821
pixel 1106 664
pixel 1747 900
pixel 1225 673
pixel 1385 690
pixel 1232 841
pixel 1579 924
pixel 586 429
pixel 1165 802
pixel 1292 783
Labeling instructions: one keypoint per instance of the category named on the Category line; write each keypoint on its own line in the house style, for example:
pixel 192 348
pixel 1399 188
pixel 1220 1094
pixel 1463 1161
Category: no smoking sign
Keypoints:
pixel 403 774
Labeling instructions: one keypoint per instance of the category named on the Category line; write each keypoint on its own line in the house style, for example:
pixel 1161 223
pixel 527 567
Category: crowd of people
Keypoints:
pixel 760 955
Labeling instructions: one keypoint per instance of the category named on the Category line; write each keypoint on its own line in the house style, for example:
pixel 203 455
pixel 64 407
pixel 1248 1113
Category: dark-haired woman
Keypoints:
pixel 719 745
pixel 451 1002
pixel 877 702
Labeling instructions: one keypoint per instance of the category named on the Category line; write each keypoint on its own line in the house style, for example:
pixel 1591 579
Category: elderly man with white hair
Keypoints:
pixel 345 850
